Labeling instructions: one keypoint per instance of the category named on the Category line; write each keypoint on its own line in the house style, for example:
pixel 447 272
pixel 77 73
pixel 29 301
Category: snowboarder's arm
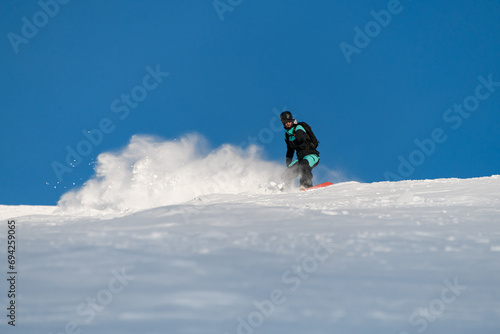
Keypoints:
pixel 302 139
pixel 289 153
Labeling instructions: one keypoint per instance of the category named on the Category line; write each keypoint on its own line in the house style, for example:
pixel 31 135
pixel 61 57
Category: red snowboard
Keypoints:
pixel 321 185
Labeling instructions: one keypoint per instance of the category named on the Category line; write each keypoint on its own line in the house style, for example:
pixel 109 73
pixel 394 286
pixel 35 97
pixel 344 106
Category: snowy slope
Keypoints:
pixel 390 257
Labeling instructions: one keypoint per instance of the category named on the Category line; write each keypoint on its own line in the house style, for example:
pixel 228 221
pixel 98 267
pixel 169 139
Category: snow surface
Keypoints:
pixel 389 257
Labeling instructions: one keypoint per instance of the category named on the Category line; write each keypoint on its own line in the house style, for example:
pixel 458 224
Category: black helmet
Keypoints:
pixel 286 116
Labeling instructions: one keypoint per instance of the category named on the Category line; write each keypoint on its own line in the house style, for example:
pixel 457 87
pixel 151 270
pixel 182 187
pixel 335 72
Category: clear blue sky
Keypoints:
pixel 70 66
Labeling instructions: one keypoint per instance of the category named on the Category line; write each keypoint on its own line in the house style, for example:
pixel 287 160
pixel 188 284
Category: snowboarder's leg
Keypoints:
pixel 306 176
pixel 306 166
pixel 290 174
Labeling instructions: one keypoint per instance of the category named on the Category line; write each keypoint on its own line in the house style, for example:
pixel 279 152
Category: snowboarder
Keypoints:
pixel 299 138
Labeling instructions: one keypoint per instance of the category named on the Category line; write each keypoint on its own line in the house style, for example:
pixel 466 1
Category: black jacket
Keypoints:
pixel 300 142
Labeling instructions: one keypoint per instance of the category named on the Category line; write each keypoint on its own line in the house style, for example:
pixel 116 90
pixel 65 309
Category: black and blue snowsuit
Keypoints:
pixel 297 140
